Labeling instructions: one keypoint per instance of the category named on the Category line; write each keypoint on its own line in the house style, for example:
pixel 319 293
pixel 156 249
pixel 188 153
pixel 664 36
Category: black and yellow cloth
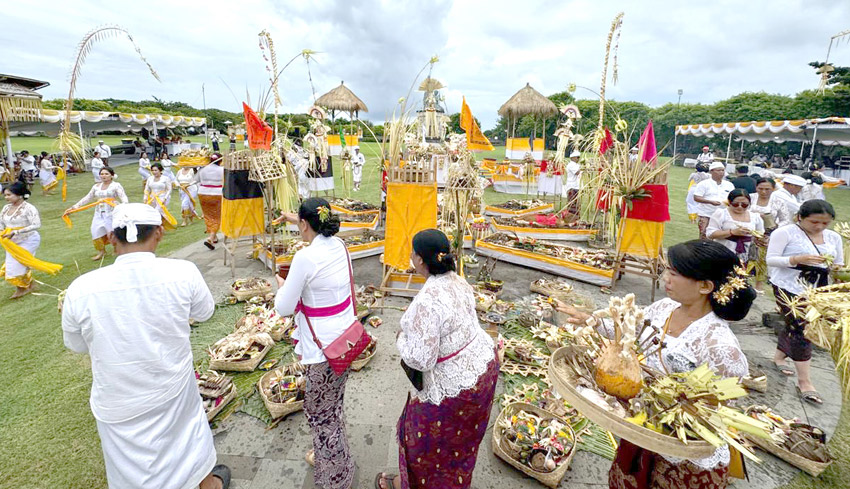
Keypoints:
pixel 241 205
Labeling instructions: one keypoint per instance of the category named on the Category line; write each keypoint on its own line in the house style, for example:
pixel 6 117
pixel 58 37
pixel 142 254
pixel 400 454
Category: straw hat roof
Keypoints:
pixel 430 84
pixel 527 101
pixel 18 98
pixel 341 98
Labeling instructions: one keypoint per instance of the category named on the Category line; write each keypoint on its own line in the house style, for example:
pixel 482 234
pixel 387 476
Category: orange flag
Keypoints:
pixel 475 139
pixel 259 133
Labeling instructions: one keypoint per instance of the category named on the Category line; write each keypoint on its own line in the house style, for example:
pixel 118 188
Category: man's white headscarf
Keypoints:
pixel 716 165
pixel 575 154
pixel 131 215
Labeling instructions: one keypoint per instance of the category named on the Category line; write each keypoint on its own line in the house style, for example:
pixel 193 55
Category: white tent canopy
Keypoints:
pixel 829 131
pixel 104 121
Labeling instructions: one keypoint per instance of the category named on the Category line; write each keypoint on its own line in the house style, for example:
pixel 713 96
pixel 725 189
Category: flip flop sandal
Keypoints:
pixel 785 370
pixel 388 478
pixel 812 397
pixel 223 473
pixel 209 245
pixel 310 458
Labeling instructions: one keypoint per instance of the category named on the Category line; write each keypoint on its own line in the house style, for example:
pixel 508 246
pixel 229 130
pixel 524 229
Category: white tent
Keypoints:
pixel 829 131
pixel 89 121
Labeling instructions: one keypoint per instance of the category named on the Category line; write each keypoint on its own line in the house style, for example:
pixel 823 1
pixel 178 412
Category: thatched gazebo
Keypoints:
pixel 527 101
pixel 18 103
pixel 341 98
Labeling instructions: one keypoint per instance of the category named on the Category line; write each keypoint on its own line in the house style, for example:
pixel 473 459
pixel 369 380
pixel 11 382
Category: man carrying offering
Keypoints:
pixel 132 318
pixel 710 194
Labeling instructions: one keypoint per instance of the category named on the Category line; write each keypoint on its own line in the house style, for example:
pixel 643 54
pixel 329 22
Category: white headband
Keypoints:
pixel 131 215
pixel 716 165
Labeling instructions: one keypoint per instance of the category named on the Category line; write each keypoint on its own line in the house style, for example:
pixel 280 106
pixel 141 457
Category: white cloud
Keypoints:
pixel 488 50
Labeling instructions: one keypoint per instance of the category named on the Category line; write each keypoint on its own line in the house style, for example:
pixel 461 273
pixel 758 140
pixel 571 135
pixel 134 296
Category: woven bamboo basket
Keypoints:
pixel 561 378
pixel 576 299
pixel 277 409
pixel 281 334
pixel 808 466
pixel 357 365
pixel 238 160
pixel 550 479
pixel 231 395
pixel 244 295
pixel 242 365
pixel 489 299
pixel 266 167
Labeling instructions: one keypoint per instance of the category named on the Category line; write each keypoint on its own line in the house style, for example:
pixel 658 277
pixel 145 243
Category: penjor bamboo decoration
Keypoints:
pixel 68 143
pixel 615 29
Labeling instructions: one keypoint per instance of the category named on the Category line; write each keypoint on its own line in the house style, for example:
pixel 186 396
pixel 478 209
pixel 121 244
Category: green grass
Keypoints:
pixel 47 433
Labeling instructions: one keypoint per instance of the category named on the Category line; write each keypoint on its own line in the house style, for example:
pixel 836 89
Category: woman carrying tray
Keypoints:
pixel 705 290
pixel 319 286
pixel 798 256
pixel 444 349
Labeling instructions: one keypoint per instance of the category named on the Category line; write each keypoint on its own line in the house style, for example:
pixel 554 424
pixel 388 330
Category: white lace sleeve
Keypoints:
pixel 419 340
pixel 724 355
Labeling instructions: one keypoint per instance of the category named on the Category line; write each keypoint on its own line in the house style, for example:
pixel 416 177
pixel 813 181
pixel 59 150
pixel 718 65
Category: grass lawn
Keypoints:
pixel 47 433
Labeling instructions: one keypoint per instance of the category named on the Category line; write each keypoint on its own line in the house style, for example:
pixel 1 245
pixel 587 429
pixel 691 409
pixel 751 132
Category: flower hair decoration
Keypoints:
pixel 735 281
pixel 440 256
pixel 324 213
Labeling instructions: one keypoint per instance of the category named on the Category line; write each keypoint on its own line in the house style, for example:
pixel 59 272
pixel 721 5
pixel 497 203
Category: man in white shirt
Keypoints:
pixel 573 182
pixel 357 164
pixel 790 193
pixel 97 164
pixel 710 194
pixel 132 318
pixel 706 156
pixel 633 154
pixel 27 162
pixel 105 151
pixel 210 185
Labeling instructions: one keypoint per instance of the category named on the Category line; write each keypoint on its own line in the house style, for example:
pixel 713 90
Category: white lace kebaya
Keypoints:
pixel 707 340
pixel 440 321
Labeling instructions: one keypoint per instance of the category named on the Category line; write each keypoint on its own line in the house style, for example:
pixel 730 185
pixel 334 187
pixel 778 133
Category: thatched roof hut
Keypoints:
pixel 341 98
pixel 527 101
pixel 18 98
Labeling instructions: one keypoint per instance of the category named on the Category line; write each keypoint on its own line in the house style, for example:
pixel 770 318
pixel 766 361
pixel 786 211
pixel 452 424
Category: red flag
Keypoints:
pixel 607 142
pixel 259 133
pixel 647 151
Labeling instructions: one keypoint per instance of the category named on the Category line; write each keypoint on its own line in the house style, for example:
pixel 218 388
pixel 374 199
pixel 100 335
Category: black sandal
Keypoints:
pixel 386 477
pixel 208 244
pixel 223 473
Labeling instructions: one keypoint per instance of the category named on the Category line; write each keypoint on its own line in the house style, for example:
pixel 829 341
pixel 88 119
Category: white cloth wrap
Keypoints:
pixel 131 215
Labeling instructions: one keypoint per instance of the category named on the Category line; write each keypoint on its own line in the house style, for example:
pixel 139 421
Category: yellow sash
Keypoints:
pixel 24 257
pixel 168 221
pixel 185 189
pixel 109 200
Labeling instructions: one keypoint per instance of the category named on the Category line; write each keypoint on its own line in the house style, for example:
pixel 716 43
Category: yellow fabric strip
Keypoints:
pixel 24 257
pixel 533 210
pixel 242 217
pixel 67 220
pixel 185 189
pixel 343 210
pixel 518 229
pixel 168 221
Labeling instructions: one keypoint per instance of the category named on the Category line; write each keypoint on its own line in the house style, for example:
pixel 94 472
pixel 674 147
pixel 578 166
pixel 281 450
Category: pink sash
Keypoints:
pixel 322 312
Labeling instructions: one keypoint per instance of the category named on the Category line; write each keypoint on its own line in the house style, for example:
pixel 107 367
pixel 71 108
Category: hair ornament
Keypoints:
pixel 324 213
pixel 735 281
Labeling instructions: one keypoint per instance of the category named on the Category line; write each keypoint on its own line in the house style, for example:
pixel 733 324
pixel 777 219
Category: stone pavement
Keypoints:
pixel 262 458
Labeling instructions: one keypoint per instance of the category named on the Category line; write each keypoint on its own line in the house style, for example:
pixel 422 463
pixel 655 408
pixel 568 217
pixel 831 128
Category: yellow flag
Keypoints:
pixel 475 139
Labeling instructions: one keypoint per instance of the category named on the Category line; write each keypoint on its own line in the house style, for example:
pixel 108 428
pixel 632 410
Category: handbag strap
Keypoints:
pixel 353 296
pixel 810 239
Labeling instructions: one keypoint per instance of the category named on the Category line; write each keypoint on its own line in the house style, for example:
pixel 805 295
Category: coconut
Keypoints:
pixel 618 372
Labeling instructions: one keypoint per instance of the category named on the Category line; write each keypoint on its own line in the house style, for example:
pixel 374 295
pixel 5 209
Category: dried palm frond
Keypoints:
pixel 615 28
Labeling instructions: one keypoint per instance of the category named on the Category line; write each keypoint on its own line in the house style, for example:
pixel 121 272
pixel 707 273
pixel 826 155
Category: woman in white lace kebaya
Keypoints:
pixel 695 320
pixel 443 423
pixel 19 222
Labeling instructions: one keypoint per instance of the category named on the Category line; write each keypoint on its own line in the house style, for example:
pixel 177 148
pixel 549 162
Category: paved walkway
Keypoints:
pixel 262 458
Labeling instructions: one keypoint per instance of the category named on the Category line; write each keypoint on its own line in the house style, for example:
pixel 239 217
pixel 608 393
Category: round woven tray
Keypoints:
pixel 550 479
pixel 277 409
pixel 356 365
pixel 561 377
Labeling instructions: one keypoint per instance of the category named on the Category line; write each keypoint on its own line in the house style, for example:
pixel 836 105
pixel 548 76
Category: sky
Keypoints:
pixel 487 50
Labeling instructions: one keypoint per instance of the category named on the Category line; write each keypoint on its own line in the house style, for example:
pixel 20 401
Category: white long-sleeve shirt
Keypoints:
pixel 791 202
pixel 114 190
pixel 722 220
pixel 789 241
pixel 132 318
pixel 104 150
pixel 211 179
pixel 319 276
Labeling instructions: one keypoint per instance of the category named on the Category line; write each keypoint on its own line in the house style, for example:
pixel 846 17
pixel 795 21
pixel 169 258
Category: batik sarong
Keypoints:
pixel 438 444
pixel 323 403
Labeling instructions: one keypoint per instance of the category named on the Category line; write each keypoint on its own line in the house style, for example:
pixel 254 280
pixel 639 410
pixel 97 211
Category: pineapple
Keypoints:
pixel 618 370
